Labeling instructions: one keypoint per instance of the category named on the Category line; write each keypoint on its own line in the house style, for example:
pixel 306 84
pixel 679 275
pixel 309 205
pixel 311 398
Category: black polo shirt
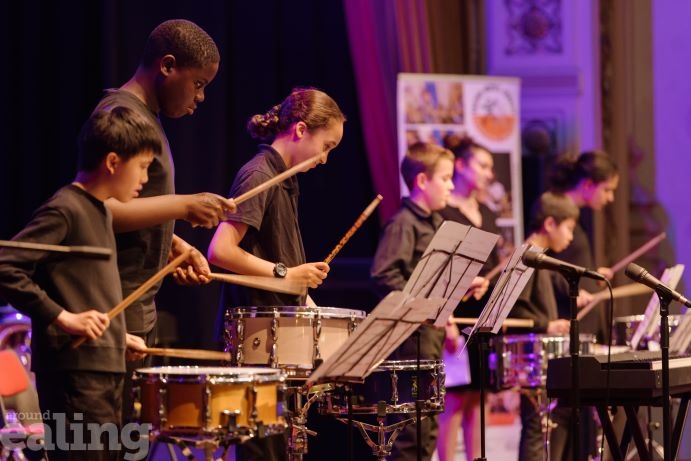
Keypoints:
pixel 273 232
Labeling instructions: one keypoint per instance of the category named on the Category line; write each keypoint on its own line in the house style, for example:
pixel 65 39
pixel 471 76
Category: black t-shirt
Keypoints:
pixel 143 253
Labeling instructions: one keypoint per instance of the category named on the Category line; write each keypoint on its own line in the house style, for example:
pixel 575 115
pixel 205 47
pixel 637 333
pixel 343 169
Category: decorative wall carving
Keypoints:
pixel 534 26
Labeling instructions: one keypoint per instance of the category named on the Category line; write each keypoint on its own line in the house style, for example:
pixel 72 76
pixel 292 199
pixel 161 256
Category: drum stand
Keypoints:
pixel 208 444
pixel 382 448
pixel 297 429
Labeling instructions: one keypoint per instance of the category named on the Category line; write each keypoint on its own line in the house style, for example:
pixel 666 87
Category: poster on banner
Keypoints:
pixel 485 108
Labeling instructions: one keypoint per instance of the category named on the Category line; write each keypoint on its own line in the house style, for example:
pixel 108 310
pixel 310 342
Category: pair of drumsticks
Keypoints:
pixel 270 283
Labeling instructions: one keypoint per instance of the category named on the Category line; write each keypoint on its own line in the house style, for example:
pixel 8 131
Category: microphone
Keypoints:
pixel 542 261
pixel 640 275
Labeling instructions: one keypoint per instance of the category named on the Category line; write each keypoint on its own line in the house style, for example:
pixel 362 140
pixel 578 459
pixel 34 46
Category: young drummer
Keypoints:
pixel 69 295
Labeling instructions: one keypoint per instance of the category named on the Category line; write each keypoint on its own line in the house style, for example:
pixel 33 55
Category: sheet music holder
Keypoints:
pixel 508 288
pixel 448 266
pixel 395 318
pixel 439 281
pixel 651 317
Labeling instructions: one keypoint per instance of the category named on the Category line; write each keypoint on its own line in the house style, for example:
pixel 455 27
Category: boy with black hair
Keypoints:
pixel 68 295
pixel 552 221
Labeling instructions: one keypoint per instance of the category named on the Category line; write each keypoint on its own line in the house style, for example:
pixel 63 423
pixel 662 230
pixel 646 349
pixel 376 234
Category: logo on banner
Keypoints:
pixel 494 112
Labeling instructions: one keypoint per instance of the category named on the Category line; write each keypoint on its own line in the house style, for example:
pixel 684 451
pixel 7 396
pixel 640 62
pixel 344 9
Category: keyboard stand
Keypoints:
pixel 632 429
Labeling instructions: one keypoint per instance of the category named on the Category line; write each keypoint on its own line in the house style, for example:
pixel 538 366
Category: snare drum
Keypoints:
pixel 521 360
pixel 625 327
pixel 396 384
pixel 211 400
pixel 294 338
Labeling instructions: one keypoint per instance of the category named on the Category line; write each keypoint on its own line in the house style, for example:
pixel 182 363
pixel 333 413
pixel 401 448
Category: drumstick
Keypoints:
pixel 84 250
pixel 631 289
pixel 640 251
pixel 365 214
pixel 263 283
pixel 519 323
pixel 278 178
pixel 198 354
pixel 136 294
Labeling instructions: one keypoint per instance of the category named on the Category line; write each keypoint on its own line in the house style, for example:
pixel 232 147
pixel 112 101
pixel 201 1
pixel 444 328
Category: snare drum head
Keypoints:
pixel 293 311
pixel 216 374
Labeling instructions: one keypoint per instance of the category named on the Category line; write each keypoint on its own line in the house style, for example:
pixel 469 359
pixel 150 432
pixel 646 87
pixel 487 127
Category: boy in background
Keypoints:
pixel 552 221
pixel 427 170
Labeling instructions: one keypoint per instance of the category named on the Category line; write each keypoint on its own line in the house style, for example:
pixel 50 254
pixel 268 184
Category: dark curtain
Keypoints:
pixel 59 55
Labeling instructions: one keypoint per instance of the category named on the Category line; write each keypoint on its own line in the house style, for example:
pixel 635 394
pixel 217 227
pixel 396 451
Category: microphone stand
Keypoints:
pixel 574 346
pixel 664 346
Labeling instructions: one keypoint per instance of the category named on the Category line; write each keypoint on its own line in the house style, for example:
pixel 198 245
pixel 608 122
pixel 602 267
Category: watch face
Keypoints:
pixel 280 270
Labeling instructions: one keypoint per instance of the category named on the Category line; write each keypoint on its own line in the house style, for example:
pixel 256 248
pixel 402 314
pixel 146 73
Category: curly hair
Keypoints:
pixel 189 43
pixel 309 105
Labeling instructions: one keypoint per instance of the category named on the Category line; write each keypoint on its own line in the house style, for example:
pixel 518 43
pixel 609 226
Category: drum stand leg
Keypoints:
pixel 297 429
pixel 209 445
pixel 382 448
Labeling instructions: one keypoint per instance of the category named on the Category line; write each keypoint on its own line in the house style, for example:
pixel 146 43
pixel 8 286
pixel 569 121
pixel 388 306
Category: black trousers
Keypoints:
pixel 75 404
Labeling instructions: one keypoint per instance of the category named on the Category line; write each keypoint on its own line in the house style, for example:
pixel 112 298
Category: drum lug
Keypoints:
pixel 162 409
pixel 206 400
pixel 352 324
pixel 394 388
pixel 240 333
pixel 229 420
pixel 273 357
pixel 317 332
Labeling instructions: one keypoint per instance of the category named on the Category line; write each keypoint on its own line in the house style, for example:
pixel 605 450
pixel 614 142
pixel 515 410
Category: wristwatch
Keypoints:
pixel 280 270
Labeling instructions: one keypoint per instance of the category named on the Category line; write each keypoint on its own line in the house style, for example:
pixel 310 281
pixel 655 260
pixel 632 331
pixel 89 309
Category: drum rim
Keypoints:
pixel 541 337
pixel 185 373
pixel 409 364
pixel 294 311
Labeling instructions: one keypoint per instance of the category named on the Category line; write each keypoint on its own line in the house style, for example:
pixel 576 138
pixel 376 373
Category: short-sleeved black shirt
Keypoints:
pixel 273 232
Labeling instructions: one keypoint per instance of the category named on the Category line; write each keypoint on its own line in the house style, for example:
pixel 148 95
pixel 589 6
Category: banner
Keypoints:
pixel 486 108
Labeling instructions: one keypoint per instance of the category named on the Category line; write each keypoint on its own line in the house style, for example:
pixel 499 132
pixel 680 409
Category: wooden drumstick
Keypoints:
pixel 198 354
pixel 640 251
pixel 82 250
pixel 365 214
pixel 316 160
pixel 136 294
pixel 631 289
pixel 263 283
pixel 518 323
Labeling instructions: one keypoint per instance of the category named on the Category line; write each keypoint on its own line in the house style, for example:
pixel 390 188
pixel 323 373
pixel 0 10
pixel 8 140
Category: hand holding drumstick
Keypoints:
pixel 136 294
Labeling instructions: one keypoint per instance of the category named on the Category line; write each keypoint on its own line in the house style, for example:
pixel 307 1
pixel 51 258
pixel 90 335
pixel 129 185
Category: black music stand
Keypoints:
pixel 451 261
pixel 508 288
pixel 439 281
pixel 394 319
